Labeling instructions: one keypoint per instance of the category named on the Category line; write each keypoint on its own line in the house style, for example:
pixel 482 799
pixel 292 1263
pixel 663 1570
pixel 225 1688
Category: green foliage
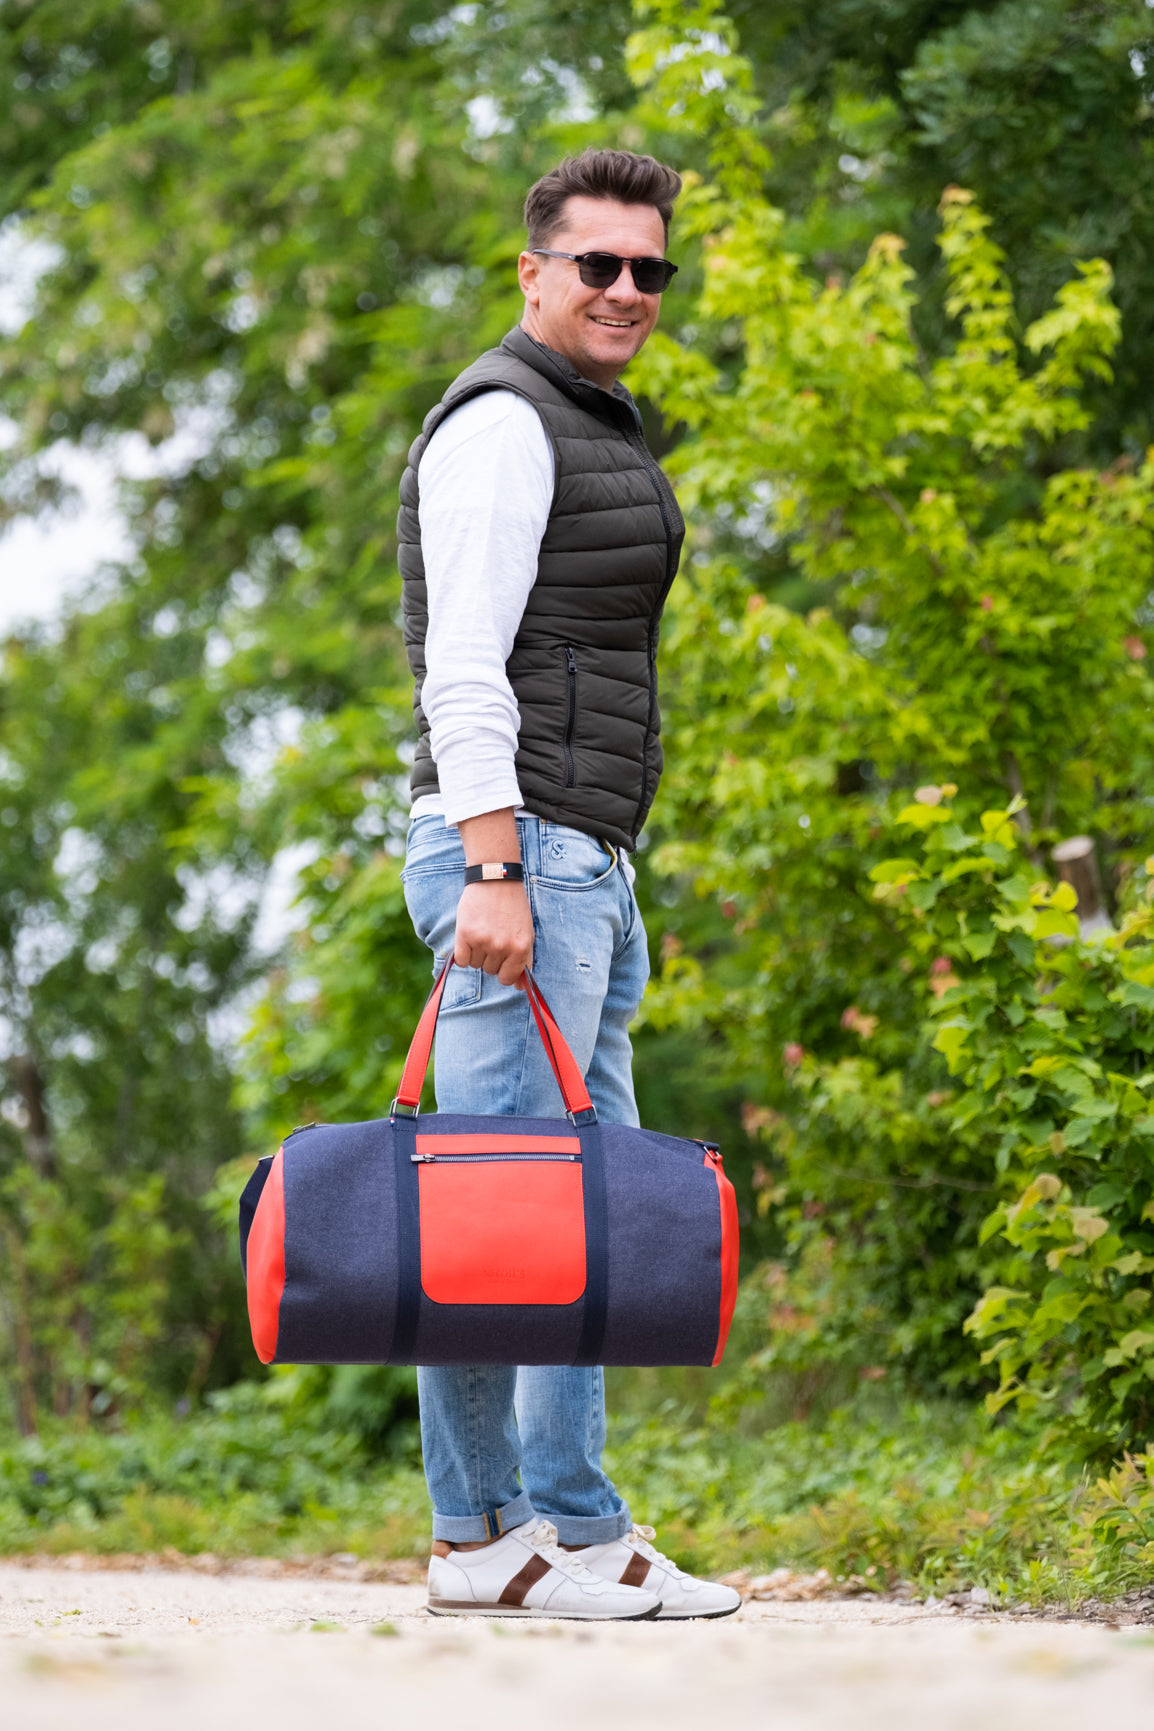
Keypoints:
pixel 279 230
pixel 916 1492
pixel 88 1299
pixel 1050 1041
pixel 931 1494
pixel 269 1468
pixel 337 1053
pixel 1047 1047
pixel 1040 107
pixel 263 233
pixel 982 619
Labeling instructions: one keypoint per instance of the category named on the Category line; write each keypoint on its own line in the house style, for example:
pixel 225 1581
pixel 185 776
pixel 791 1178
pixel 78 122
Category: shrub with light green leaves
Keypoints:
pixel 975 599
pixel 1050 1042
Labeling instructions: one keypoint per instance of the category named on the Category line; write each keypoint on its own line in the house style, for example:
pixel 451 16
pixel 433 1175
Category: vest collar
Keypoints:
pixel 616 406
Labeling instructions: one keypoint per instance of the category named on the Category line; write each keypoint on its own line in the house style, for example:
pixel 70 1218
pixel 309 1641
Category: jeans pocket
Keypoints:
pixel 572 860
pixel 431 846
pixel 463 986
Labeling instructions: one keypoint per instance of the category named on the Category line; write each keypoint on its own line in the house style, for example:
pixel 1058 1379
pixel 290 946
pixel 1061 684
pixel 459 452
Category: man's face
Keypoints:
pixel 598 330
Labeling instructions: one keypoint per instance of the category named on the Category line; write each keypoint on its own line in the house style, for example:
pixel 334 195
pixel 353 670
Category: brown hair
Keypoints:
pixel 615 174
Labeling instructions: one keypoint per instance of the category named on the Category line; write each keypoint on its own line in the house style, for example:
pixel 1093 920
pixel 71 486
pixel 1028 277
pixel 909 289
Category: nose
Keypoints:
pixel 624 291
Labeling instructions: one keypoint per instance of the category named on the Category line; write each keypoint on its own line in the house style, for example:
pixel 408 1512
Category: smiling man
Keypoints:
pixel 538 541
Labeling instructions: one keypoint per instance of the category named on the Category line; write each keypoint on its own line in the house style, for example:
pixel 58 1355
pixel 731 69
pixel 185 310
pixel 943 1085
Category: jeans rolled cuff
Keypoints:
pixel 591 1529
pixel 489 1524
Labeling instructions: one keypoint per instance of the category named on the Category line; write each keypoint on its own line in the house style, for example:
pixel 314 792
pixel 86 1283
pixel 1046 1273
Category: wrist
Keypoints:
pixel 495 871
pixel 492 836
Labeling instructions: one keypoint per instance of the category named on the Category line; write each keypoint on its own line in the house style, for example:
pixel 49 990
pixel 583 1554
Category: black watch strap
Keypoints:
pixel 512 871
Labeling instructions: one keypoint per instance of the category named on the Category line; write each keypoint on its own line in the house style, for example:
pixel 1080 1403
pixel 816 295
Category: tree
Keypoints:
pixel 279 230
pixel 262 234
pixel 980 629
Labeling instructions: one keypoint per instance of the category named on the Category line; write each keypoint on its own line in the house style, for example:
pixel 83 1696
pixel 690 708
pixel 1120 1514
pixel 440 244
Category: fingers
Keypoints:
pixel 512 970
pixel 508 964
pixel 507 961
pixel 495 931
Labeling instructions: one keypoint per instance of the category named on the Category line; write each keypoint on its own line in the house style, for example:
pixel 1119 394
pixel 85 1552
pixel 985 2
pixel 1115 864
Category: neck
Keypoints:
pixel 602 376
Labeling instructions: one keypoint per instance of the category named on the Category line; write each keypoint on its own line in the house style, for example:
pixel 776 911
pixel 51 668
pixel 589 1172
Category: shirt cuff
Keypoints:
pixel 467 793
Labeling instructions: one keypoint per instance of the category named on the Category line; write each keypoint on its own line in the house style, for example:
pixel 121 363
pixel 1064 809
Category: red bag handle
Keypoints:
pixel 571 1082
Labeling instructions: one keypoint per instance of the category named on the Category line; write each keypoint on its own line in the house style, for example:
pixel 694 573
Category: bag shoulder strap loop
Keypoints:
pixel 578 1106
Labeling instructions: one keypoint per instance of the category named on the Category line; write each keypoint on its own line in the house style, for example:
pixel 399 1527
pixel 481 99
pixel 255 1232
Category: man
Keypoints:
pixel 538 540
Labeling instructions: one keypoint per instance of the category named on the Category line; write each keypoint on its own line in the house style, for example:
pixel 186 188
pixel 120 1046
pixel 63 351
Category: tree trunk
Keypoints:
pixel 25 1075
pixel 21 1324
pixel 1077 864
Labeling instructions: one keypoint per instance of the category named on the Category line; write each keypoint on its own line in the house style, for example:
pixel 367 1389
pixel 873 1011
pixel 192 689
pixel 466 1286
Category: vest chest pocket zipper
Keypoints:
pixel 571 721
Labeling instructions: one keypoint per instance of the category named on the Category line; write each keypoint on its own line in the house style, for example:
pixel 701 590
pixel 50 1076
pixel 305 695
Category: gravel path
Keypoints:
pixel 136 1650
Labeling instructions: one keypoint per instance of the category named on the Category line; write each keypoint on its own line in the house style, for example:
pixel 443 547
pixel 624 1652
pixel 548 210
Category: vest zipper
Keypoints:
pixel 571 670
pixel 657 478
pixel 486 1159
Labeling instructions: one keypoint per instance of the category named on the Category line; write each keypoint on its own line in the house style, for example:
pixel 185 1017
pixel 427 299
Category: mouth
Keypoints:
pixel 613 324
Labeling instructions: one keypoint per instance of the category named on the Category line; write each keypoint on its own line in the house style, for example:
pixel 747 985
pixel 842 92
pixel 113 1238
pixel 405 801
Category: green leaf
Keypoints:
pixel 950 1040
pixel 894 871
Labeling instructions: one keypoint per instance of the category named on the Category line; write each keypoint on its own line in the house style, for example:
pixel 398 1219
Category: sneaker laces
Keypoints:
pixel 542 1536
pixel 641 1539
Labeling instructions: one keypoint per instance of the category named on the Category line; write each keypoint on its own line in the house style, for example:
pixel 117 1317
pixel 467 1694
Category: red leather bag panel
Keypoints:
pixel 502 1232
pixel 730 1236
pixel 266 1263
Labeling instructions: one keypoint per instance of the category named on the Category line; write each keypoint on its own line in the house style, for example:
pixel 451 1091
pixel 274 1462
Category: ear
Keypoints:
pixel 529 277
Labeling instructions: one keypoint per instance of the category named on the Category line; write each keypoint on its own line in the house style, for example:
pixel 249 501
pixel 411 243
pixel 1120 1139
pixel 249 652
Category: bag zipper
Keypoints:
pixel 571 669
pixel 486 1159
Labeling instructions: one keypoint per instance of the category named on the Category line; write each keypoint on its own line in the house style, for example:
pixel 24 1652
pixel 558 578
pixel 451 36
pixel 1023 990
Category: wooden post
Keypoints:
pixel 1077 864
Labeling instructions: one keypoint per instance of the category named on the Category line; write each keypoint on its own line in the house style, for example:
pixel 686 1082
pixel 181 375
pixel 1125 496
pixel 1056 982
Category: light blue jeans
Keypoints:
pixel 502 1444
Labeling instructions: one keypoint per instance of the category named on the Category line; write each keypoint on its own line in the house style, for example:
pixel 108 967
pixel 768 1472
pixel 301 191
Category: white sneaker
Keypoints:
pixel 632 1561
pixel 527 1574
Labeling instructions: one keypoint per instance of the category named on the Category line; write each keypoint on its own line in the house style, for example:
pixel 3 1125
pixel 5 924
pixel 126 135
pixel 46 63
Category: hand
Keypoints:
pixel 495 931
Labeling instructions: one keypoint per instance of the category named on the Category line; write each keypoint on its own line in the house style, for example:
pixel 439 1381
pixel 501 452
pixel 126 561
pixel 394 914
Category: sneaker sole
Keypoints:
pixel 468 1608
pixel 696 1616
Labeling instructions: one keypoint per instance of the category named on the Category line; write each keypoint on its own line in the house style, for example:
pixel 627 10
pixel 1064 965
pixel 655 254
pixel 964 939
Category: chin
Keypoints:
pixel 612 352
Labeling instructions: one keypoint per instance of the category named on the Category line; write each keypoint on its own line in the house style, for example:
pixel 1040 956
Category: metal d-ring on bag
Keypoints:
pixel 454 1238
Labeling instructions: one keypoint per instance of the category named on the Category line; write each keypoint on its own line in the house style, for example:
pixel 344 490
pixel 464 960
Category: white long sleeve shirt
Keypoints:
pixel 486 489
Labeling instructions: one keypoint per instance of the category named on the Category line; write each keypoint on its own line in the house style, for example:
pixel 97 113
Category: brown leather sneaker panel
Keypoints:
pixel 635 1571
pixel 514 1593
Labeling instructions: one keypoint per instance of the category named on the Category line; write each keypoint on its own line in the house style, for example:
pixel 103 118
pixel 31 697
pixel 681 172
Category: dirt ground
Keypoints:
pixel 157 1647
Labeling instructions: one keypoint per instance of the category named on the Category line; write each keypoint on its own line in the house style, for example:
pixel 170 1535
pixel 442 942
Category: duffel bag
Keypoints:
pixel 449 1238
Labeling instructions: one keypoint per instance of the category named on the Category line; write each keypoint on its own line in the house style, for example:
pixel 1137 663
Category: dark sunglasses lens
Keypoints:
pixel 651 275
pixel 599 269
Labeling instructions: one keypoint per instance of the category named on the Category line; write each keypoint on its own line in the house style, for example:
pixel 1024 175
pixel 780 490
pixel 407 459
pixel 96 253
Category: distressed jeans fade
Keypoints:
pixel 501 1444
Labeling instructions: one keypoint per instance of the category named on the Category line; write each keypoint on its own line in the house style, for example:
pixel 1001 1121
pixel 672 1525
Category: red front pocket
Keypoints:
pixel 499 1226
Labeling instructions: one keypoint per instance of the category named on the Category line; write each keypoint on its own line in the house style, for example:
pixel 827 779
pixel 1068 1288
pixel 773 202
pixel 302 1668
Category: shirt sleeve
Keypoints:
pixel 486 489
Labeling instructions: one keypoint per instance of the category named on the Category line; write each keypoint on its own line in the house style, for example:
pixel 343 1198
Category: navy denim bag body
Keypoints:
pixel 449 1238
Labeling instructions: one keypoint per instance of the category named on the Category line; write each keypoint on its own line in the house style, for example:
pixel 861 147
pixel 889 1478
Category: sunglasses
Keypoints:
pixel 600 270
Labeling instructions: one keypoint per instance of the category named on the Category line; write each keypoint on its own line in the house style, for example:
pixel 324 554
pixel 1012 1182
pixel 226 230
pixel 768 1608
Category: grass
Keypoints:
pixel 935 1495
